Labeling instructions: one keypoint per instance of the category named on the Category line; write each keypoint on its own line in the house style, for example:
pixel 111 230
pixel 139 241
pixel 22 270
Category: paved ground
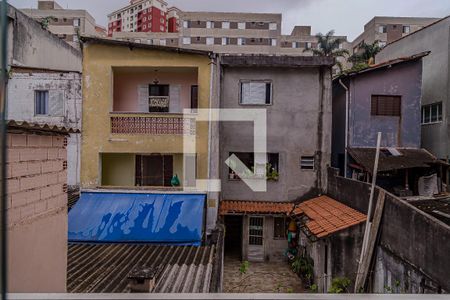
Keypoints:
pixel 260 278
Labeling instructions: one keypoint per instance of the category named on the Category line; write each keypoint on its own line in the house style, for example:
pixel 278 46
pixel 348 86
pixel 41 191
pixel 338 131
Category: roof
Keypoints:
pixel 408 158
pixel 104 268
pixel 113 42
pixel 22 126
pixel 386 64
pixel 276 61
pixel 438 208
pixel 253 207
pixel 326 216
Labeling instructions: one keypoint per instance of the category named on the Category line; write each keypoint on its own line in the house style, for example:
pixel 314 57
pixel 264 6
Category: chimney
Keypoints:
pixel 142 280
pixel 48 5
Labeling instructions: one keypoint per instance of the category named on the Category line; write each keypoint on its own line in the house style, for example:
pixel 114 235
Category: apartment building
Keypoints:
pixel 144 16
pixel 67 24
pixel 389 29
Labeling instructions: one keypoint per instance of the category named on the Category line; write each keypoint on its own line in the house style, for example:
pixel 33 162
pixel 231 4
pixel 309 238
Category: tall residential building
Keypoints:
pixel 144 16
pixel 389 29
pixel 67 24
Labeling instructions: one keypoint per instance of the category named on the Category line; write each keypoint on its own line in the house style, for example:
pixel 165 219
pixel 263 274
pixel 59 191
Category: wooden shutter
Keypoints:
pixel 168 169
pixel 175 99
pixel 143 93
pixel 194 97
pixel 386 105
pixel 56 103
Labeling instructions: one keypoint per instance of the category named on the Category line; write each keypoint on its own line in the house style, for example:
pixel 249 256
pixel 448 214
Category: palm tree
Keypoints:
pixel 328 45
pixel 368 53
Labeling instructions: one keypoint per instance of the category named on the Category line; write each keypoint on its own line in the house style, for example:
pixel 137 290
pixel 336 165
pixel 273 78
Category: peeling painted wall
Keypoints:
pixel 66 87
pixel 293 130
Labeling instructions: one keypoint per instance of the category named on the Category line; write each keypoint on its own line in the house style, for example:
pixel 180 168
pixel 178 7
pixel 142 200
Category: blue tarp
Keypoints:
pixel 137 217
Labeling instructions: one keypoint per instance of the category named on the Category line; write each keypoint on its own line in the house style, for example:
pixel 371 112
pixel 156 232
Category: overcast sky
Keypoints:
pixel 346 17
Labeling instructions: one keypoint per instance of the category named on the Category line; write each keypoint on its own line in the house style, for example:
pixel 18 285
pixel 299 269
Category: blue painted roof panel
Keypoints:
pixel 137 217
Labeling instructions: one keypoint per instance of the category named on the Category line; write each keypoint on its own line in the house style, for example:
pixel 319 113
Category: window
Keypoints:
pixel 307 163
pixel 158 98
pixel 154 170
pixel 41 102
pixel 255 93
pixel 209 41
pixel 273 26
pixel 273 42
pixel 432 113
pixel 386 105
pixel 162 42
pixel 225 41
pixel 194 97
pixel 280 227
pixel 308 45
pixel 186 40
pixel 185 24
pixel 382 29
pixel 381 44
pixel 76 22
pixel 406 29
pixel 209 24
pixel 295 45
pixel 241 41
pixel 241 25
pixel 248 159
pixel 225 25
pixel 75 38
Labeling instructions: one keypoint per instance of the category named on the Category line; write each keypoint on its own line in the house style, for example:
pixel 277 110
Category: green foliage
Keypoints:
pixel 271 173
pixel 244 267
pixel 388 289
pixel 339 285
pixel 314 288
pixel 328 45
pixel 304 266
pixel 366 54
pixel 289 290
pixel 46 21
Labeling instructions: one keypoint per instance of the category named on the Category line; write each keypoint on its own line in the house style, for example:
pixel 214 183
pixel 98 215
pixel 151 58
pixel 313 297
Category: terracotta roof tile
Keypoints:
pixel 327 215
pixel 255 207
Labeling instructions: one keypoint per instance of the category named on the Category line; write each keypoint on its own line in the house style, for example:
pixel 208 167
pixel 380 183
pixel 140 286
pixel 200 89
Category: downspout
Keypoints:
pixel 347 99
pixel 211 91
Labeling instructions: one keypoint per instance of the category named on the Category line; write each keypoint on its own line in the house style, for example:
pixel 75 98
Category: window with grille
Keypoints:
pixel 280 226
pixel 256 231
pixel 255 92
pixel 307 163
pixel 382 105
pixel 41 103
pixel 248 159
pixel 432 113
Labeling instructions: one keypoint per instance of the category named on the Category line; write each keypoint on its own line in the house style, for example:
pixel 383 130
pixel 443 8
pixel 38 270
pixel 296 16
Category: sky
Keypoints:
pixel 346 17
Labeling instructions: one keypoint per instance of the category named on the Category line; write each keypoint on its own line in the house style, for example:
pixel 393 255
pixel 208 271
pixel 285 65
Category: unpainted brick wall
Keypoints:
pixel 36 176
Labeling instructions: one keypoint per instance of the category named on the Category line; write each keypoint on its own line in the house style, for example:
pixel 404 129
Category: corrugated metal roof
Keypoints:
pixel 326 216
pixel 256 207
pixel 37 127
pixel 104 268
pixel 409 158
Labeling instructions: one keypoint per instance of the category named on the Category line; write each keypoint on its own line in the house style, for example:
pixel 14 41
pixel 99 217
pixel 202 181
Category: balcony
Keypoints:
pixel 152 124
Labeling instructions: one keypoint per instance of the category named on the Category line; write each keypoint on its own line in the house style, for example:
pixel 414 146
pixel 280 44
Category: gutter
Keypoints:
pixel 347 99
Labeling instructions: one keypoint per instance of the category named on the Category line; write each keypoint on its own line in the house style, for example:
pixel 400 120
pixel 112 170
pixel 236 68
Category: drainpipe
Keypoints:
pixel 347 100
pixel 211 90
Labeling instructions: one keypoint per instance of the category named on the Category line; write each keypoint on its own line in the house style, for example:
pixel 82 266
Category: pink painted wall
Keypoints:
pixel 126 87
pixel 37 213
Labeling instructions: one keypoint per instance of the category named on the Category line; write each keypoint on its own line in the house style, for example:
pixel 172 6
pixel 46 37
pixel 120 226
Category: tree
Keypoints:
pixel 366 54
pixel 328 45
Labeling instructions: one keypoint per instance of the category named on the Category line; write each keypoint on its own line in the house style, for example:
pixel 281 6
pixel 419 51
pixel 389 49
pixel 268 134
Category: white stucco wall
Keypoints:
pixel 66 87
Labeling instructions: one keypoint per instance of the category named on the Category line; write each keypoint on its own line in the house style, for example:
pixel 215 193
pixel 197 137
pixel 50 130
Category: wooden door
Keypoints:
pixel 256 239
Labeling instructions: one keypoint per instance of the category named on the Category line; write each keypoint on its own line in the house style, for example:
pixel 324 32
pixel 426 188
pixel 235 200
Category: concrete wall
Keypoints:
pixel 435 78
pixel 400 80
pixel 37 213
pixel 66 87
pixel 118 169
pixel 296 127
pixel 35 47
pixel 410 239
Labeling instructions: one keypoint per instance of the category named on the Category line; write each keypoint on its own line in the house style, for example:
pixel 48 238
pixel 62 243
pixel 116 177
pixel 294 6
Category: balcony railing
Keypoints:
pixel 170 124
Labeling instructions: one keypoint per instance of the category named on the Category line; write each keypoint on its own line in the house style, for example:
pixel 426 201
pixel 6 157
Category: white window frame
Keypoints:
pixel 241 41
pixel 209 24
pixel 253 102
pixel 273 26
pixel 382 29
pixel 209 41
pixel 242 25
pixel 185 24
pixel 406 31
pixel 76 22
pixel 308 162
pixel 427 109
pixel 273 42
pixel 186 40
pixel 225 25
pixel 225 41
pixel 162 42
pixel 47 100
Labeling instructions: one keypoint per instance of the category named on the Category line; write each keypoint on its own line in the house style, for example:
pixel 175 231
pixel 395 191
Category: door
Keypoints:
pixel 256 239
pixel 154 170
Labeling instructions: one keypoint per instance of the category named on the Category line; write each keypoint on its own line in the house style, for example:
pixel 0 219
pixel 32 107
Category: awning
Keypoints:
pixel 137 217
pixel 254 207
pixel 399 159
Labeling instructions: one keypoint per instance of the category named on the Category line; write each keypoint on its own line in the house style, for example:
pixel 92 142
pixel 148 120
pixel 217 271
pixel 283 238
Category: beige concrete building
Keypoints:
pixel 67 24
pixel 389 29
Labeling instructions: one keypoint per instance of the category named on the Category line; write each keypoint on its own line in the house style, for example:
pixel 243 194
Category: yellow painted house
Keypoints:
pixel 133 104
